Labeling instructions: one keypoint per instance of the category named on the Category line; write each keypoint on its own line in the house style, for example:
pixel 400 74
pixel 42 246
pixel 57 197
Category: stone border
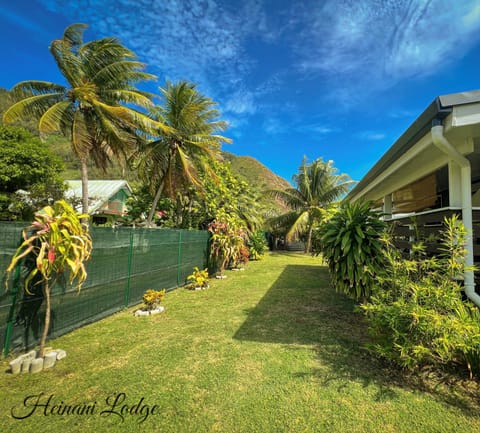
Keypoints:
pixel 142 312
pixel 29 363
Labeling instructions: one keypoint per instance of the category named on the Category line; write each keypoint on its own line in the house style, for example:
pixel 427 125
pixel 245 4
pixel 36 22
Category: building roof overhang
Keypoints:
pixel 460 114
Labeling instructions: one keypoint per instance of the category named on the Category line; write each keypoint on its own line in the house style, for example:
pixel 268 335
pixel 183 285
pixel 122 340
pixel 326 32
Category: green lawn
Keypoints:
pixel 270 349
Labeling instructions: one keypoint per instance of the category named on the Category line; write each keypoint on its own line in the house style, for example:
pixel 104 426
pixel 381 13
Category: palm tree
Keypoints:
pixel 317 187
pixel 90 110
pixel 172 163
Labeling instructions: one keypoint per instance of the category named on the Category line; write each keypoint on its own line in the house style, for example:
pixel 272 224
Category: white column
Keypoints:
pixel 387 206
pixel 454 184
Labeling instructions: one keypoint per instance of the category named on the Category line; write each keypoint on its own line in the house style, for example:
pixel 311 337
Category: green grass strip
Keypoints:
pixel 271 349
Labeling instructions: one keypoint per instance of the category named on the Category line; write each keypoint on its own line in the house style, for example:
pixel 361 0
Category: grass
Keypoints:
pixel 270 349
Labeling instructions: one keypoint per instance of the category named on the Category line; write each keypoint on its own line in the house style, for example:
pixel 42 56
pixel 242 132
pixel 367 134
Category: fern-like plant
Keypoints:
pixel 351 245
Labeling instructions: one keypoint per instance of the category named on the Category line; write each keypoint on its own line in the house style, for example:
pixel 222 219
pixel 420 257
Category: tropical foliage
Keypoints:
pixel 417 314
pixel 153 298
pixel 171 164
pixel 56 243
pixel 351 245
pixel 228 237
pixel 95 111
pixel 198 279
pixel 257 244
pixel 318 186
pixel 29 174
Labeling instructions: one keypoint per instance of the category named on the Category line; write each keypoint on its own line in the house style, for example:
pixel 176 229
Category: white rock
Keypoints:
pixel 49 360
pixel 16 365
pixel 61 354
pixel 26 365
pixel 36 365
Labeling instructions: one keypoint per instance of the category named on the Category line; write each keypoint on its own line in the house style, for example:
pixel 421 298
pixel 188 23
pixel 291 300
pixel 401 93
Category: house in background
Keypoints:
pixel 430 172
pixel 106 198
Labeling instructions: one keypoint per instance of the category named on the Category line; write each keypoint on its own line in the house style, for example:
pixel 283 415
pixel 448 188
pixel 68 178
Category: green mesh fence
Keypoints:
pixel 124 263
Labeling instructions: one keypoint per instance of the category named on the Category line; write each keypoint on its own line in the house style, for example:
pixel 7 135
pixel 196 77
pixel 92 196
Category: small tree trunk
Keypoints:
pixel 308 247
pixel 43 339
pixel 84 169
pixel 158 194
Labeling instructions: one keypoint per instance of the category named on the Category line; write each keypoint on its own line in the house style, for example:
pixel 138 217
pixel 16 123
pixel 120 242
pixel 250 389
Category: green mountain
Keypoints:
pixel 255 173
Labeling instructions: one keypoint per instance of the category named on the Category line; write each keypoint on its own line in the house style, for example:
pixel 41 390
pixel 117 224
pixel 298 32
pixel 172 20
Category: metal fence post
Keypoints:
pixel 179 268
pixel 129 269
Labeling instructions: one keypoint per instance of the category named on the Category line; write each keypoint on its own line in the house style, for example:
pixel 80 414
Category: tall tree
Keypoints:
pixel 172 163
pixel 95 109
pixel 317 186
pixel 29 174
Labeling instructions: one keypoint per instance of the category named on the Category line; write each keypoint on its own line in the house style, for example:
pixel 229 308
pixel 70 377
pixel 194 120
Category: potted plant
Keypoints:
pixel 151 302
pixel 198 279
pixel 57 242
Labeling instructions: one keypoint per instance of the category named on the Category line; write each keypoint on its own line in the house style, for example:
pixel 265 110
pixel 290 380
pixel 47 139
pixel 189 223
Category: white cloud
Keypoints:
pixel 317 128
pixel 198 40
pixel 273 126
pixel 241 102
pixel 371 135
pixel 364 45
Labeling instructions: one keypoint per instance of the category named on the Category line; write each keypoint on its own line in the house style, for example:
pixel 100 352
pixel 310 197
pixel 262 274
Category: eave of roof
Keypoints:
pixel 440 108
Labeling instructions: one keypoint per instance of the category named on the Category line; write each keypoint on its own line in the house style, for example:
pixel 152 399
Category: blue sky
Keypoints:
pixel 338 79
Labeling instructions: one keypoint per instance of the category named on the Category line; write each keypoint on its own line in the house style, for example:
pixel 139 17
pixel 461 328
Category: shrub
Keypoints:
pixel 244 255
pixel 417 314
pixel 257 245
pixel 350 242
pixel 153 298
pixel 226 241
pixel 198 278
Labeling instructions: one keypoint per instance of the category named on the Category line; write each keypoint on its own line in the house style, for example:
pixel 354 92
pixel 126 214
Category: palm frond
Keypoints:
pixel 118 96
pixel 292 197
pixel 68 62
pixel 121 71
pixel 51 120
pixel 81 139
pixel 31 107
pixel 73 34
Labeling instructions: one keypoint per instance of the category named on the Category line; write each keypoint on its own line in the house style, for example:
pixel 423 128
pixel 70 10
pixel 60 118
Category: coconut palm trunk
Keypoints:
pixel 308 246
pixel 84 177
pixel 156 199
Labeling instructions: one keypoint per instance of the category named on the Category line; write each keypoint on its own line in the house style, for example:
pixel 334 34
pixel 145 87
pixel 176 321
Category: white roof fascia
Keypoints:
pixel 421 145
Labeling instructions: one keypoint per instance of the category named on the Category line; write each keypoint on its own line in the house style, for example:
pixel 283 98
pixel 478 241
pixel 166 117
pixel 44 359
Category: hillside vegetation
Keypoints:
pixel 257 175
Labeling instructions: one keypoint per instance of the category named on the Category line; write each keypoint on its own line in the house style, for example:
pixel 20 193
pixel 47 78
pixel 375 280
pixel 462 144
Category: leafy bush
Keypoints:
pixel 417 315
pixel 226 241
pixel 244 255
pixel 257 245
pixel 153 298
pixel 198 278
pixel 350 242
pixel 56 243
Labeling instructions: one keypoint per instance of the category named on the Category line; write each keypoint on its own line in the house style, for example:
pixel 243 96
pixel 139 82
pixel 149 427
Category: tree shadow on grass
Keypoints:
pixel 301 308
